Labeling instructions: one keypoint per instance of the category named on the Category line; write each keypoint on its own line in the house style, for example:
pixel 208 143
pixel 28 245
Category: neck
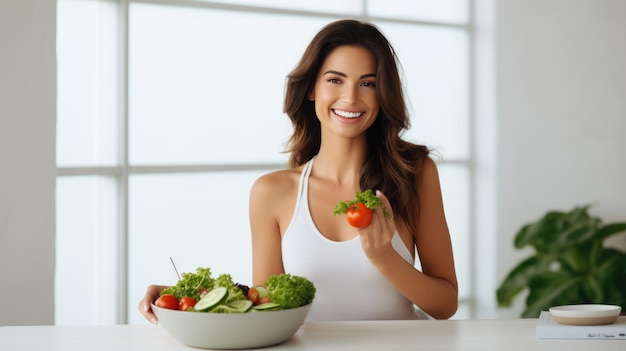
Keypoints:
pixel 341 162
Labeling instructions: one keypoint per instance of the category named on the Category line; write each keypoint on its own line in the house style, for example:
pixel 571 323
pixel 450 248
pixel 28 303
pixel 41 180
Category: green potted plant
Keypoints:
pixel 570 263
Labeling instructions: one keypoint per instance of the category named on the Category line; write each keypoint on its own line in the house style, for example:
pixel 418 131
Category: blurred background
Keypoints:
pixel 131 132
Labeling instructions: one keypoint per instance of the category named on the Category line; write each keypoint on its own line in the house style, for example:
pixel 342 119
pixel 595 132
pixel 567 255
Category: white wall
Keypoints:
pixel 27 178
pixel 561 113
pixel 560 119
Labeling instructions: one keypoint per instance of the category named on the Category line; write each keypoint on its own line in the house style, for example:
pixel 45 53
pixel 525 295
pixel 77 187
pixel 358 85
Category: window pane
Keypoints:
pixel 195 92
pixel 455 188
pixel 331 6
pixel 87 50
pixel 197 219
pixel 86 245
pixel 450 11
pixel 435 63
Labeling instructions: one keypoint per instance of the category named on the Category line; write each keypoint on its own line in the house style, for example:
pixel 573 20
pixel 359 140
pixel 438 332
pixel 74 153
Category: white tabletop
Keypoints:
pixel 483 335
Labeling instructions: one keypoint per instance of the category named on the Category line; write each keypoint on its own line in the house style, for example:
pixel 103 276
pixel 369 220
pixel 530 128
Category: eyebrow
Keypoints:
pixel 345 75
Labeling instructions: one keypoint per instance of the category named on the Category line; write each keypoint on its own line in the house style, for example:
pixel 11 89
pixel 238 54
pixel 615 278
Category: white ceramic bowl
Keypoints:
pixel 585 314
pixel 231 331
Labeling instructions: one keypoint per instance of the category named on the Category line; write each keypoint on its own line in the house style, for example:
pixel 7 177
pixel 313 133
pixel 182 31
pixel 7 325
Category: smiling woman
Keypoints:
pixel 172 162
pixel 351 127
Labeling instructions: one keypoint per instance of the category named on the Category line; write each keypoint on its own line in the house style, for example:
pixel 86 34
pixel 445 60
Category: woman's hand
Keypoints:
pixel 376 237
pixel 152 293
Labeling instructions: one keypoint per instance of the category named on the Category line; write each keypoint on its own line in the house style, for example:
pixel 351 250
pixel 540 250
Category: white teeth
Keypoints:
pixel 347 114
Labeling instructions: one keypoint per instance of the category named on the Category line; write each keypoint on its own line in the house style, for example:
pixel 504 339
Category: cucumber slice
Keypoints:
pixel 268 306
pixel 212 299
pixel 240 306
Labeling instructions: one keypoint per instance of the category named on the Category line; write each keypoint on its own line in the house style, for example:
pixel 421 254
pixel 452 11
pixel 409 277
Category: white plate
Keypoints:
pixel 585 314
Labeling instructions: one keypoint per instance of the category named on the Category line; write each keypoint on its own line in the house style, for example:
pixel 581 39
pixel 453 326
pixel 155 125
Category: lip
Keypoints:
pixel 347 119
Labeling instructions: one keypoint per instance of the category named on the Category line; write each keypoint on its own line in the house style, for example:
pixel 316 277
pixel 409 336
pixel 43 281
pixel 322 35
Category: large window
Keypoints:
pixel 169 110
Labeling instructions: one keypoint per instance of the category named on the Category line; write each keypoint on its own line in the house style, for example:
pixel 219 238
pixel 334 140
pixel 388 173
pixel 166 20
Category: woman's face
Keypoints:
pixel 345 91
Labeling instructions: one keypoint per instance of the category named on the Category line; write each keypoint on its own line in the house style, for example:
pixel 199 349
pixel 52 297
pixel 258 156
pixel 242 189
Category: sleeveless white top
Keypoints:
pixel 348 286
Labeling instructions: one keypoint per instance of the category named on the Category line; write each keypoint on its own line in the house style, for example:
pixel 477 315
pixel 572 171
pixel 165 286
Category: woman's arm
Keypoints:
pixel 434 289
pixel 265 228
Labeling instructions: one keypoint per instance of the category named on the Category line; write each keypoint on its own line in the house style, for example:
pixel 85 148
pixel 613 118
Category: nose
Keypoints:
pixel 349 93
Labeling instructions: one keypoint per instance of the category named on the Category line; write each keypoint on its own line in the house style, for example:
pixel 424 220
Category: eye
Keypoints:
pixel 369 84
pixel 334 80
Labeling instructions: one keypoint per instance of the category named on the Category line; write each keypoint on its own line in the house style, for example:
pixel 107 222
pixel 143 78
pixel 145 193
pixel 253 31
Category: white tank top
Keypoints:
pixel 348 286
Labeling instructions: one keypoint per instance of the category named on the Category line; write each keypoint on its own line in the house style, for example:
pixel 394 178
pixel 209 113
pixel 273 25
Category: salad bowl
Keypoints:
pixel 231 330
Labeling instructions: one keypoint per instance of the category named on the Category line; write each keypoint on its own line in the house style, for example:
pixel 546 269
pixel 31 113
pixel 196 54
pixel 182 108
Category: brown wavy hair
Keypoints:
pixel 392 164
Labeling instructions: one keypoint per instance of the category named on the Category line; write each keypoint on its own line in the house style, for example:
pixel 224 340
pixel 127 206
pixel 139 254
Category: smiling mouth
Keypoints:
pixel 347 114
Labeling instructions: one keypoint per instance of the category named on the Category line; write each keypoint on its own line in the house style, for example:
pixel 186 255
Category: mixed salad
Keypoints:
pixel 200 292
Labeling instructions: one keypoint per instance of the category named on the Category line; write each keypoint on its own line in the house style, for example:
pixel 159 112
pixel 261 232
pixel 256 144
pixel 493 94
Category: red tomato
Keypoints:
pixel 186 303
pixel 253 295
pixel 359 215
pixel 263 299
pixel 167 301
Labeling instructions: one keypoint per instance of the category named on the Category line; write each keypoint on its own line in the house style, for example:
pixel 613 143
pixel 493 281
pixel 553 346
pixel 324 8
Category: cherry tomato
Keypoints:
pixel 167 301
pixel 186 303
pixel 253 295
pixel 359 215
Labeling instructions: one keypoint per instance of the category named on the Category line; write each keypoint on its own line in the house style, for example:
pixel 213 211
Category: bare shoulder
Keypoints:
pixel 273 198
pixel 429 171
pixel 432 216
pixel 276 185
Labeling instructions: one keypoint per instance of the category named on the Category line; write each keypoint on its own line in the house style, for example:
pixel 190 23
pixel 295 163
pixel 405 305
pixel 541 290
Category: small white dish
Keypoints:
pixel 585 314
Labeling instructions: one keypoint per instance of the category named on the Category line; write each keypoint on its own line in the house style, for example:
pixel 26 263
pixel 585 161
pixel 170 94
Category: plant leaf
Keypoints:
pixel 595 255
pixel 611 264
pixel 579 214
pixel 575 258
pixel 576 227
pixel 548 290
pixel 536 233
pixel 611 276
pixel 610 229
pixel 593 289
pixel 576 234
pixel 518 279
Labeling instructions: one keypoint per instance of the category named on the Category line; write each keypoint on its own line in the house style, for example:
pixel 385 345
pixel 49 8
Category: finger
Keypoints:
pixel 146 311
pixel 152 293
pixel 386 205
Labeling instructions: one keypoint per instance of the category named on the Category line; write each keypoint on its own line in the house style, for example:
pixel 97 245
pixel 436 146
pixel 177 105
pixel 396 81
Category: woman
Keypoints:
pixel 346 104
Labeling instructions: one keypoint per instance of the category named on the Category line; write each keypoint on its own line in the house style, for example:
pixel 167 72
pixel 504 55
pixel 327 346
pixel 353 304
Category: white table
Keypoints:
pixel 483 335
